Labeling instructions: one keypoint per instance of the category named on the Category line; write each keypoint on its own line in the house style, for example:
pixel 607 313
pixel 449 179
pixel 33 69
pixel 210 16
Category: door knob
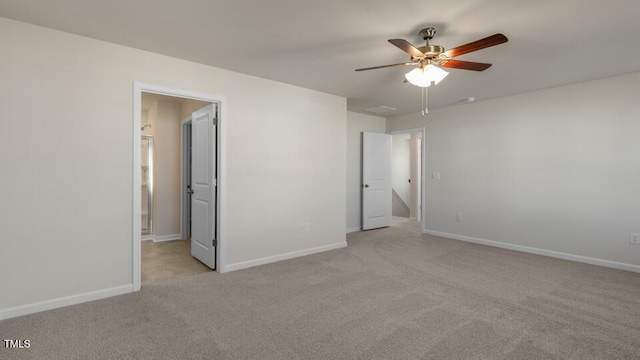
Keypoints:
pixel 366 185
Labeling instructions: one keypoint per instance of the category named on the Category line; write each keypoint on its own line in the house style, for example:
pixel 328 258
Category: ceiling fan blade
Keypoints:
pixel 406 46
pixel 385 66
pixel 465 65
pixel 477 45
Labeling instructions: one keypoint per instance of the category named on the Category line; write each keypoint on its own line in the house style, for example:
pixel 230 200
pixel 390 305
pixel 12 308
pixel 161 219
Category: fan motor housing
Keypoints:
pixel 431 50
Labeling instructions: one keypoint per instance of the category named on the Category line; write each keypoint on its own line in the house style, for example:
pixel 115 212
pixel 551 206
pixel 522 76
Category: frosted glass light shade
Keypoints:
pixel 424 77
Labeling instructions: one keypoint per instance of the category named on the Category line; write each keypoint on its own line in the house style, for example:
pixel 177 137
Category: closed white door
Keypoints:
pixel 203 185
pixel 376 180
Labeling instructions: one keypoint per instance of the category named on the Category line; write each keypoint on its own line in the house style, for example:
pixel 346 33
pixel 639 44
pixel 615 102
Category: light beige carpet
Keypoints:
pixel 392 294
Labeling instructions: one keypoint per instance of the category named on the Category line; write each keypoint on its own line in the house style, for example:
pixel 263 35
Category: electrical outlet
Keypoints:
pixel 634 239
pixel 435 175
pixel 305 227
pixel 459 217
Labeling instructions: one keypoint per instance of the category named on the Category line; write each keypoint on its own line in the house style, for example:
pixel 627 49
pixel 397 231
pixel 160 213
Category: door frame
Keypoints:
pixel 423 163
pixel 221 188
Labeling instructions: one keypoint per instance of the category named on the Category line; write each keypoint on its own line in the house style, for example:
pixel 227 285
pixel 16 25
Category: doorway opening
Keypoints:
pixel 179 184
pixel 407 175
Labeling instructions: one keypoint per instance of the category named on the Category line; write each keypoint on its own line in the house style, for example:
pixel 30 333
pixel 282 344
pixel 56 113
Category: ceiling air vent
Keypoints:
pixel 380 109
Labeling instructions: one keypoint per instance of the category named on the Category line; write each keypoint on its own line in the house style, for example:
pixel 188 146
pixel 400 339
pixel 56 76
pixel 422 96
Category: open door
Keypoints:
pixel 203 185
pixel 376 180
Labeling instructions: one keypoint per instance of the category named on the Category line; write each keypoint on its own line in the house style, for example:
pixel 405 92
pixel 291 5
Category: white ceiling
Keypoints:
pixel 318 44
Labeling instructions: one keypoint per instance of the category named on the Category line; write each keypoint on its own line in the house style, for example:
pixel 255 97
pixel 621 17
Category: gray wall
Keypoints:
pixel 554 171
pixel 66 142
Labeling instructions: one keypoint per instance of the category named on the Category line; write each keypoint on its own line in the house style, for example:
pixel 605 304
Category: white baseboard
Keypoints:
pixel 291 255
pixel 162 238
pixel 537 251
pixel 354 229
pixel 32 308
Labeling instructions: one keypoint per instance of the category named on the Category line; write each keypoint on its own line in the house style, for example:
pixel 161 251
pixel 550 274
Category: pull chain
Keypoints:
pixel 425 101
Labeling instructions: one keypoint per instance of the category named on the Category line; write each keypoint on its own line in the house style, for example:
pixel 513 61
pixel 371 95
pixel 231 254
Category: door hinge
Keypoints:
pixel 214 242
pixel 214 182
pixel 215 121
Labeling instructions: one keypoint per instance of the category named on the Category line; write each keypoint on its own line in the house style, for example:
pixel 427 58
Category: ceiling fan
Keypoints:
pixel 430 58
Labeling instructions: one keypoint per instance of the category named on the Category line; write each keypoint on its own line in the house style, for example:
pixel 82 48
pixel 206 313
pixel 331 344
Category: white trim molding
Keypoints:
pixel 537 251
pixel 286 256
pixel 8 313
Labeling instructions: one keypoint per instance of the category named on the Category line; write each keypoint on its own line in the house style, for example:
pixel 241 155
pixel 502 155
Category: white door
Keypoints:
pixel 376 180
pixel 203 185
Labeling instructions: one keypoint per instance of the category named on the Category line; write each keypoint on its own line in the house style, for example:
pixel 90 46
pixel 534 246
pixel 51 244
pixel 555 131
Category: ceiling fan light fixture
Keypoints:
pixel 423 77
